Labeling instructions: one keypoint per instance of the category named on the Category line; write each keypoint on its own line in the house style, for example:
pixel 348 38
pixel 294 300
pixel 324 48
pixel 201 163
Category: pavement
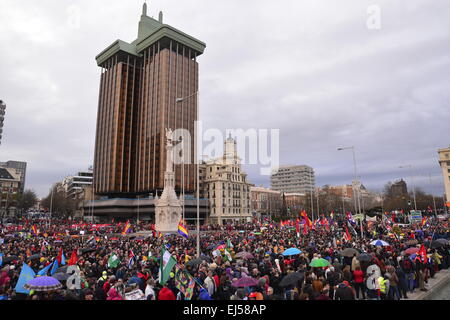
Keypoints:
pixel 440 280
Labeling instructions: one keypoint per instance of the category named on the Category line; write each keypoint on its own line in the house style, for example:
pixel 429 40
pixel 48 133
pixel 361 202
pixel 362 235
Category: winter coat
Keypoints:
pixel 344 292
pixel 113 295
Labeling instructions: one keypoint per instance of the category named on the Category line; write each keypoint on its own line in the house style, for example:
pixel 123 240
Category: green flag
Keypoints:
pixel 166 264
pixel 229 244
pixel 228 255
pixel 113 261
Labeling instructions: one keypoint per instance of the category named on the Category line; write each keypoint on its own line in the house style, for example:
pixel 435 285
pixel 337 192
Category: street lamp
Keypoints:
pixel 178 100
pixel 51 208
pixel 355 192
pixel 431 184
pixel 412 179
pixel 138 197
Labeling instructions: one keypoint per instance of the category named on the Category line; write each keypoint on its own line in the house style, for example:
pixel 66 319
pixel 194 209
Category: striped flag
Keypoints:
pixel 424 221
pixel 34 230
pixel 307 221
pixel 126 229
pixel 182 230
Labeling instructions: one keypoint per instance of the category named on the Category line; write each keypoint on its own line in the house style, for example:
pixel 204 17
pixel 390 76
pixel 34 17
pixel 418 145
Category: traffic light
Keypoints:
pixel 409 202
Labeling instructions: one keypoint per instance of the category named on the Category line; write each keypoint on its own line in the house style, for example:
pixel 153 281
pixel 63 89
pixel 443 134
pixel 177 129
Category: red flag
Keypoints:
pixel 297 226
pixel 347 236
pixel 305 229
pixel 73 258
pixel 423 254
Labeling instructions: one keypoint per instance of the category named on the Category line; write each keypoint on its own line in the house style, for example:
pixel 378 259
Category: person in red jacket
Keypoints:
pixel 166 294
pixel 358 280
pixel 216 280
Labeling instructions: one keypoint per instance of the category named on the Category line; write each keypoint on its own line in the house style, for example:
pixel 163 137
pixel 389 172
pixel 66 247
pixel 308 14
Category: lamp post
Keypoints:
pixel 412 179
pixel 312 197
pixel 355 192
pixel 137 221
pixel 434 201
pixel 51 208
pixel 178 100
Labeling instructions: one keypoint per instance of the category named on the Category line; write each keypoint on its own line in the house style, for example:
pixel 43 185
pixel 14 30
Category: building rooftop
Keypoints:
pixel 150 31
pixel 4 174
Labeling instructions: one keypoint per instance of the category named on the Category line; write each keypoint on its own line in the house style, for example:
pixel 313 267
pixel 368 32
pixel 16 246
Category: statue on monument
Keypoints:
pixel 168 210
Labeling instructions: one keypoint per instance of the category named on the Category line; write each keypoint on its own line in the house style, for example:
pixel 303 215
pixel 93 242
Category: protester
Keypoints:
pixel 112 265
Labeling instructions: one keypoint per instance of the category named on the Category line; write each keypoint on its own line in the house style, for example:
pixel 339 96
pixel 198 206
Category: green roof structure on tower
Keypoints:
pixel 149 32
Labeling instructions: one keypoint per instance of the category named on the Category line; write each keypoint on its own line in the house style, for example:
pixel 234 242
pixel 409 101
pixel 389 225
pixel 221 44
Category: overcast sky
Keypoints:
pixel 311 68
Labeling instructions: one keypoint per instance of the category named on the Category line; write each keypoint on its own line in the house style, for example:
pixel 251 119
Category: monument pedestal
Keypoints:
pixel 168 210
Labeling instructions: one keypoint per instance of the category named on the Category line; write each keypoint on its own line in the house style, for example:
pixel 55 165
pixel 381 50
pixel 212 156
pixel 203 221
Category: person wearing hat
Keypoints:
pixel 104 277
pixel 344 291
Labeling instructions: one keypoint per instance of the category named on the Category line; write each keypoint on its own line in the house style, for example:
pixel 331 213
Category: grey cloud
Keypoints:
pixel 310 68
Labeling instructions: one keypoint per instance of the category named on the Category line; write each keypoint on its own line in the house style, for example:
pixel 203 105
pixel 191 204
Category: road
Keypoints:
pixel 441 294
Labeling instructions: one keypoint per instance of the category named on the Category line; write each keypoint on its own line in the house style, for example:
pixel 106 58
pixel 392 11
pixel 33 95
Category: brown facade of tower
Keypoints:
pixel 139 85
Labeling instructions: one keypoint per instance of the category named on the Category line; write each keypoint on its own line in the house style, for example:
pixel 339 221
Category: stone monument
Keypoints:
pixel 168 210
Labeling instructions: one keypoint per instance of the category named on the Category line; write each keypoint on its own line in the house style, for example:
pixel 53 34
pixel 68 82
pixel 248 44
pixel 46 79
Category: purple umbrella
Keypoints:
pixel 43 283
pixel 245 282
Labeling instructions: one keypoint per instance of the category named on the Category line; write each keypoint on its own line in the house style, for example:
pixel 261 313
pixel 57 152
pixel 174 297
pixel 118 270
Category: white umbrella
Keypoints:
pixel 379 243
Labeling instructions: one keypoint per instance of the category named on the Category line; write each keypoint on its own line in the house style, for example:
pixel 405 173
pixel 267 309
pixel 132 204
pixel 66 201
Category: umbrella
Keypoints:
pixel 86 250
pixel 379 243
pixel 43 283
pixel 411 250
pixel 364 257
pixel 291 252
pixel 61 276
pixel 318 263
pixel 245 282
pixel 10 259
pixel 291 278
pixel 194 262
pixel 206 258
pixel 437 244
pixel 412 242
pixel 442 240
pixel 34 256
pixel 349 252
pixel 244 255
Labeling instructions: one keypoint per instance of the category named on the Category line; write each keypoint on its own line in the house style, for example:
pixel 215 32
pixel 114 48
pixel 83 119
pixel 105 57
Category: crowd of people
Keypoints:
pixel 237 262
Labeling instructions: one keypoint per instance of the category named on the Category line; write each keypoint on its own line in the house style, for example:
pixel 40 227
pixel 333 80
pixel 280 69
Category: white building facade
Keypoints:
pixel 226 186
